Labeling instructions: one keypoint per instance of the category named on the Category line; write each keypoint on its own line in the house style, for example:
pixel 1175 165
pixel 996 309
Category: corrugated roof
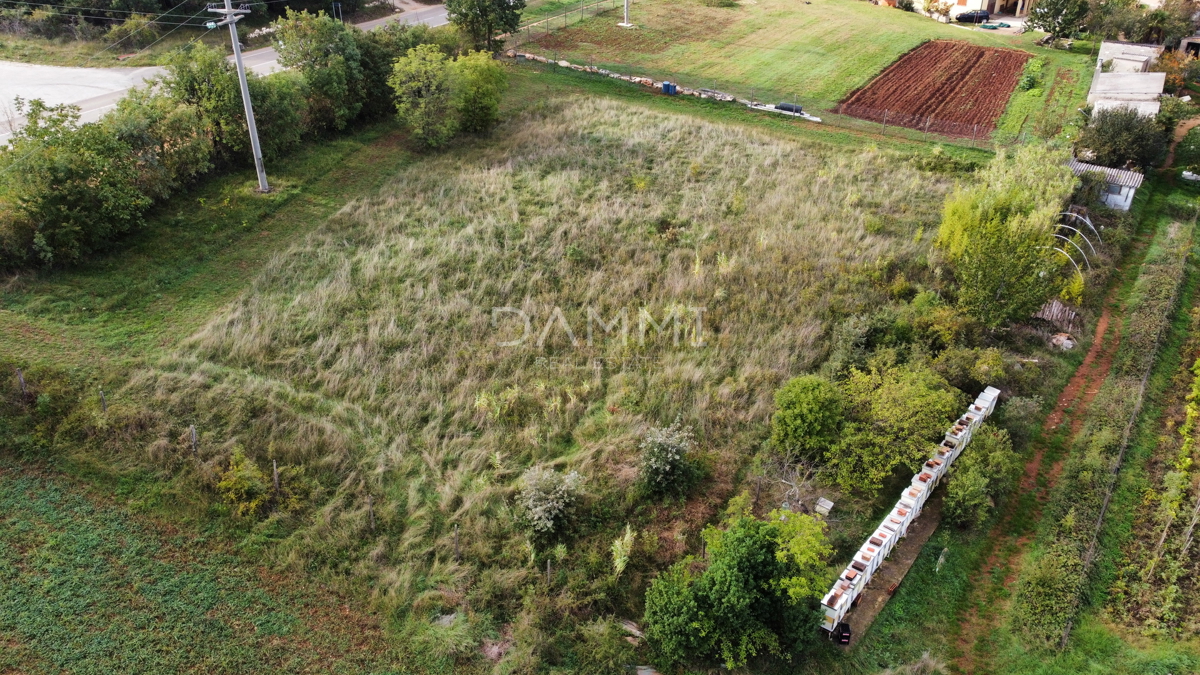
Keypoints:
pixel 1131 179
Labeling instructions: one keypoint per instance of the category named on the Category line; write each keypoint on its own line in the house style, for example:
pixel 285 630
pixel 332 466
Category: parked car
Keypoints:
pixel 974 16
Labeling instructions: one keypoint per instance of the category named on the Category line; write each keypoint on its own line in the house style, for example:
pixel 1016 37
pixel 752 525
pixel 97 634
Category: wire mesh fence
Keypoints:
pixel 541 27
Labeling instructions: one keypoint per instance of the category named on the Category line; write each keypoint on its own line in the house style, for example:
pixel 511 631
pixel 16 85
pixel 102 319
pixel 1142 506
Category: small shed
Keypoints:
pixel 1119 184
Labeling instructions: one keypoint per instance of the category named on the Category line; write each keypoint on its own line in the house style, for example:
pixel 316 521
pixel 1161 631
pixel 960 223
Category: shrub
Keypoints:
pixel 68 191
pixel 665 468
pixel 172 141
pixel 1118 136
pixel 808 416
pixel 137 32
pixel 894 413
pixel 326 53
pixel 983 474
pixel 906 5
pixel 424 86
pixel 737 608
pixel 480 81
pixel 546 498
pixel 244 485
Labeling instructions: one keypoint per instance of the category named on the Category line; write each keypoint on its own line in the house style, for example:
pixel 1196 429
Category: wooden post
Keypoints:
pixel 195 445
pixel 457 556
pixel 371 512
pixel 275 475
pixel 757 490
pixel 928 118
pixel 103 402
pixel 547 570
pixel 885 114
pixel 21 379
pixel 974 132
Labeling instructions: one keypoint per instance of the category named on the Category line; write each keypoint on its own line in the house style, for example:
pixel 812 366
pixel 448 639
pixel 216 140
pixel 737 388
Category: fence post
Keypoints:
pixel 275 475
pixel 928 118
pixel 885 114
pixel 974 132
pixel 195 446
pixel 371 511
pixel 21 379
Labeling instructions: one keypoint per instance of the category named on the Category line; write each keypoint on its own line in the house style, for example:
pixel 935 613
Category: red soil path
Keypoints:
pixel 1006 548
pixel 945 86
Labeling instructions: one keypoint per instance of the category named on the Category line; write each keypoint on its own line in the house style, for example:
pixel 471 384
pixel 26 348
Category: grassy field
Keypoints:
pixel 343 325
pixel 90 588
pixel 813 52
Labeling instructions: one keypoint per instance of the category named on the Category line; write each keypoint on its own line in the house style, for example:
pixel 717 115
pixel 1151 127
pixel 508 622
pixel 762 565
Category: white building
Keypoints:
pixel 1119 184
pixel 1127 84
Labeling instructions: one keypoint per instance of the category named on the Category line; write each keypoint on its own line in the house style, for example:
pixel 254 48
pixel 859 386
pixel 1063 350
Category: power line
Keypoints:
pixel 140 29
pixel 164 36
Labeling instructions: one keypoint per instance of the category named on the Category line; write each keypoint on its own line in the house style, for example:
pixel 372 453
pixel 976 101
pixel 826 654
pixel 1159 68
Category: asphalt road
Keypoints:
pixel 97 90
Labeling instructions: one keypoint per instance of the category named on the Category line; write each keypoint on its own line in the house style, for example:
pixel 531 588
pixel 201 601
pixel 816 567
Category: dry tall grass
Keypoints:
pixel 368 353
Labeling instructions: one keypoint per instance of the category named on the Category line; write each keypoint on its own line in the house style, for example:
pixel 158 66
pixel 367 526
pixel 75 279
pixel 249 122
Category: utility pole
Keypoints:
pixel 231 18
pixel 626 23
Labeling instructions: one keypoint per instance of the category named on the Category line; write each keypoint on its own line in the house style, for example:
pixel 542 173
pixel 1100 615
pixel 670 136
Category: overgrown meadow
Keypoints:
pixel 365 361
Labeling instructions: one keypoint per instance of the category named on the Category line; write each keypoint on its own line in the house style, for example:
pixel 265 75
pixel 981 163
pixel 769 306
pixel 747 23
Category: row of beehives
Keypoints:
pixel 645 81
pixel 895 525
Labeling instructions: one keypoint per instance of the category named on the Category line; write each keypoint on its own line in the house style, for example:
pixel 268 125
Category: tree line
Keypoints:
pixel 73 189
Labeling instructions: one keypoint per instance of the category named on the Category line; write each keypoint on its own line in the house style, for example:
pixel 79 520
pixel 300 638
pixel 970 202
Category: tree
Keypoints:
pixel 326 53
pixel 1059 18
pixel 1168 23
pixel 172 141
pixel 1176 66
pixel 1118 136
pixel 68 189
pixel 741 604
pixel 808 415
pixel 481 82
pixel 895 414
pixel 483 20
pixel 1110 18
pixel 984 472
pixel 998 235
pixel 201 76
pixel 425 92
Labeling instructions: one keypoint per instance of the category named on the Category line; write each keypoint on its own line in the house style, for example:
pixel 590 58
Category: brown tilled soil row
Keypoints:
pixel 949 85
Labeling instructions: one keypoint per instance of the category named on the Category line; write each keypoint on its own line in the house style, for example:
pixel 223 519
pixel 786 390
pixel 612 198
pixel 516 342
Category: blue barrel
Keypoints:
pixel 668 88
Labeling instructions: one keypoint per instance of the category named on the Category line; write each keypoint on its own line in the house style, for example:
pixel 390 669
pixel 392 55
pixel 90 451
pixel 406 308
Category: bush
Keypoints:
pixel 906 5
pixel 137 32
pixel 326 53
pixel 1118 136
pixel 601 648
pixel 69 190
pixel 735 609
pixel 546 498
pixel 665 468
pixel 894 414
pixel 808 416
pixel 424 85
pixel 983 474
pixel 172 141
pixel 481 81
pixel 244 485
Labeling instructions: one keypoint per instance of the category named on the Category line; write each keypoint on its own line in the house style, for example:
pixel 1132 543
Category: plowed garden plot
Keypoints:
pixel 944 86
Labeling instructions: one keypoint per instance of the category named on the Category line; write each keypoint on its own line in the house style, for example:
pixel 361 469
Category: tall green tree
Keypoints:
pixel 326 53
pixel 998 234
pixel 1059 18
pixel 481 83
pixel 986 471
pixel 483 20
pixel 1117 136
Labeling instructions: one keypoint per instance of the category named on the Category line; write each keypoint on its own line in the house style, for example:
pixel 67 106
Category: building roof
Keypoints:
pixel 1127 86
pixel 1145 108
pixel 1111 49
pixel 1121 177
